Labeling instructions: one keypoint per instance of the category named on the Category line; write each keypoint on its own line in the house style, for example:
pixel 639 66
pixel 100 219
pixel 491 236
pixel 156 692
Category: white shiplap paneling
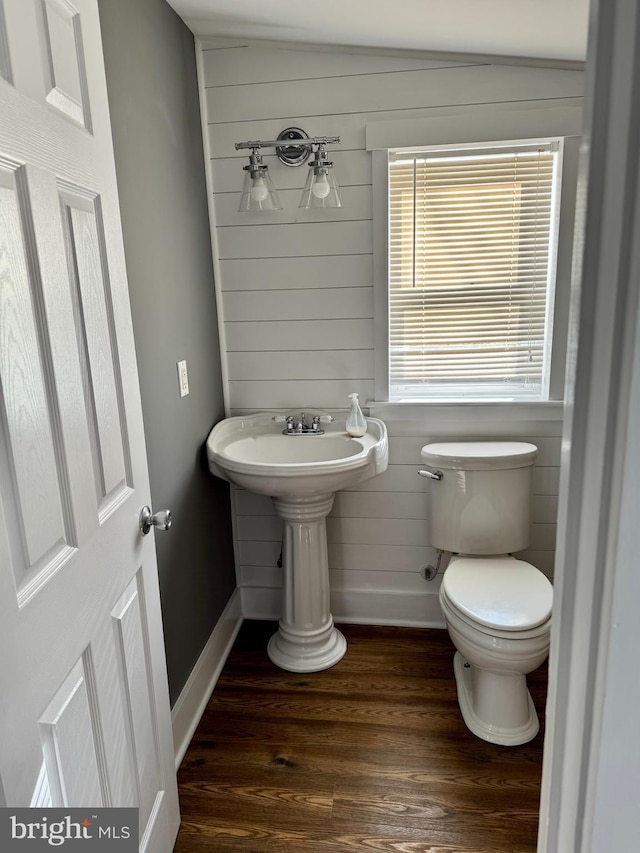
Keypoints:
pixel 356 201
pixel 254 65
pixel 286 394
pixel 352 167
pixel 351 127
pixel 298 312
pixel 402 90
pixel 342 303
pixel 299 239
pixel 349 364
pixel 297 336
pixel 297 273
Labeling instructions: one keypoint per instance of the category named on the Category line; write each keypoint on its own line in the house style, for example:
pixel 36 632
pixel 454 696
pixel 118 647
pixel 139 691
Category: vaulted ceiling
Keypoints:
pixel 551 29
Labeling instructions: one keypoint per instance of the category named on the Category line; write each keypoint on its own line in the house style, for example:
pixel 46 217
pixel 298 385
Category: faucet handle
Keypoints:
pixel 285 419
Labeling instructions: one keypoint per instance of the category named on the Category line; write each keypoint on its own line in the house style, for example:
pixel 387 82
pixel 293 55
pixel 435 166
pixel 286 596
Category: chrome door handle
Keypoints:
pixel 432 475
pixel 148 519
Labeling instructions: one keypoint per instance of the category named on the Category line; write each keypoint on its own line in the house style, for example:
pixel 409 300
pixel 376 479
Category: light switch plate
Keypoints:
pixel 183 378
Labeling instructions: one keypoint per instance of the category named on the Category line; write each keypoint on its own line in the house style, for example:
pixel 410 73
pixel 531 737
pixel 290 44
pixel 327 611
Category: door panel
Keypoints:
pixel 70 734
pixel 65 79
pixel 35 484
pixel 128 619
pixel 84 706
pixel 93 314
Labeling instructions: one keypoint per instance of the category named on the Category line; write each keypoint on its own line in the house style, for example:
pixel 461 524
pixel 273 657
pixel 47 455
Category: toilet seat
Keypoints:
pixel 501 596
pixel 453 615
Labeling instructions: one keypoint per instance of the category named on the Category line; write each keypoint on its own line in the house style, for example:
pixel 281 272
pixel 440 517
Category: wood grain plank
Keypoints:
pixel 369 755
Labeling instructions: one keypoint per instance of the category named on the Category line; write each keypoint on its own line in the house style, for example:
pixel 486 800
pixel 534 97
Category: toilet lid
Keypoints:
pixel 499 592
pixel 479 455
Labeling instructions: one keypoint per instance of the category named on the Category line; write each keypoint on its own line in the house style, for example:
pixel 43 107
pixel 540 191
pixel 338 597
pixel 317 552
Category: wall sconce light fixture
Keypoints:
pixel 320 189
pixel 258 193
pixel 293 147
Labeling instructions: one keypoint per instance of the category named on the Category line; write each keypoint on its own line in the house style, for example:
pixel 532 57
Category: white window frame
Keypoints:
pixel 477 126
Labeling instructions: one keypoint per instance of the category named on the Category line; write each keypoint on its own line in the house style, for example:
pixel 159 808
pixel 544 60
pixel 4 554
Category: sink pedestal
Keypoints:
pixel 306 640
pixel 301 474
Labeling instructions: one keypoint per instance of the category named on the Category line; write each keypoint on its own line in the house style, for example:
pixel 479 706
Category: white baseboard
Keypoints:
pixel 186 713
pixel 363 607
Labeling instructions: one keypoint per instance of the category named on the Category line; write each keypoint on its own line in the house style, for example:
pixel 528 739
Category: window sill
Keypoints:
pixel 473 411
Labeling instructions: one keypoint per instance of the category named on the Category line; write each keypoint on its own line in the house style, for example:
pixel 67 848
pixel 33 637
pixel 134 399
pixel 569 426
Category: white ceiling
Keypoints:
pixel 553 29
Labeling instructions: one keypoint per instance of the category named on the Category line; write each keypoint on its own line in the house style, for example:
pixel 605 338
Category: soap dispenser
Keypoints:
pixel 356 423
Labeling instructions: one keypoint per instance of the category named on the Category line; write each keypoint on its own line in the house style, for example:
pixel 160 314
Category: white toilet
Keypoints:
pixel 497 608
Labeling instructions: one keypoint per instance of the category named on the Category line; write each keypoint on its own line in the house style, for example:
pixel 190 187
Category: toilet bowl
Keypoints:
pixel 497 645
pixel 497 608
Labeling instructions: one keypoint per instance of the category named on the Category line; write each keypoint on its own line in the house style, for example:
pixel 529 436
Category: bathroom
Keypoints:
pixel 291 324
pixel 300 333
pixel 300 328
pixel 297 306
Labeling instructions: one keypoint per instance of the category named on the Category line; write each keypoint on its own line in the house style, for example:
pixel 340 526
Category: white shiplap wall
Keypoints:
pixel 296 292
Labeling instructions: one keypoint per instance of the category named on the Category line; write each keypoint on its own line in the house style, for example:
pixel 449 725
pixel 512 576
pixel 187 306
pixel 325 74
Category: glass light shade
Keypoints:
pixel 258 193
pixel 320 189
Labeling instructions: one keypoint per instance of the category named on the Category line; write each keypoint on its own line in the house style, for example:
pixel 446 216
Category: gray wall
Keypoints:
pixel 153 97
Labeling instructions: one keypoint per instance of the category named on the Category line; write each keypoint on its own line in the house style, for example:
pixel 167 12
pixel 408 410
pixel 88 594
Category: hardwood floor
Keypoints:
pixel 371 755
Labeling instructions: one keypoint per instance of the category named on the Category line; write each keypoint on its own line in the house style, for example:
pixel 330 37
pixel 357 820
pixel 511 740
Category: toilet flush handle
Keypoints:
pixel 432 475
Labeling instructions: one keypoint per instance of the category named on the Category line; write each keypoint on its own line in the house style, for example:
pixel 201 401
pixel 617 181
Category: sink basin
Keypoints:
pixel 253 453
pixel 301 474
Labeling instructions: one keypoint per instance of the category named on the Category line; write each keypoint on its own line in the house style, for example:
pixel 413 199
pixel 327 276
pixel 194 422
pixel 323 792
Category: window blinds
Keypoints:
pixel 472 239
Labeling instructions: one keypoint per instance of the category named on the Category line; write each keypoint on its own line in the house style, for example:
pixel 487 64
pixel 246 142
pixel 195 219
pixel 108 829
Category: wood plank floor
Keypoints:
pixel 371 755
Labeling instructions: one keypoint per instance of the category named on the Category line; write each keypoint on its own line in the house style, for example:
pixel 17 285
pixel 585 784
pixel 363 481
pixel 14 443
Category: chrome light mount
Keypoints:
pixel 256 167
pixel 320 163
pixel 292 154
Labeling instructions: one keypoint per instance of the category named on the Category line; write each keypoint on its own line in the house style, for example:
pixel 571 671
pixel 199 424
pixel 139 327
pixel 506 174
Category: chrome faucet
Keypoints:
pixel 300 425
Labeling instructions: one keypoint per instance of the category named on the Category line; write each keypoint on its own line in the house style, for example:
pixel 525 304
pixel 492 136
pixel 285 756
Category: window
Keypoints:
pixel 464 135
pixel 472 242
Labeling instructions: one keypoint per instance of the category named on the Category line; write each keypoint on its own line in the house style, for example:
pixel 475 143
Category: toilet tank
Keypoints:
pixel 482 504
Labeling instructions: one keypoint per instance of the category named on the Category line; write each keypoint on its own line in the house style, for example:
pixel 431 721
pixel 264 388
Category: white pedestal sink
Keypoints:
pixel 301 474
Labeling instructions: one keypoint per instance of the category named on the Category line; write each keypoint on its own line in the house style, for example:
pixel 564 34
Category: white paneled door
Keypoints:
pixel 84 708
